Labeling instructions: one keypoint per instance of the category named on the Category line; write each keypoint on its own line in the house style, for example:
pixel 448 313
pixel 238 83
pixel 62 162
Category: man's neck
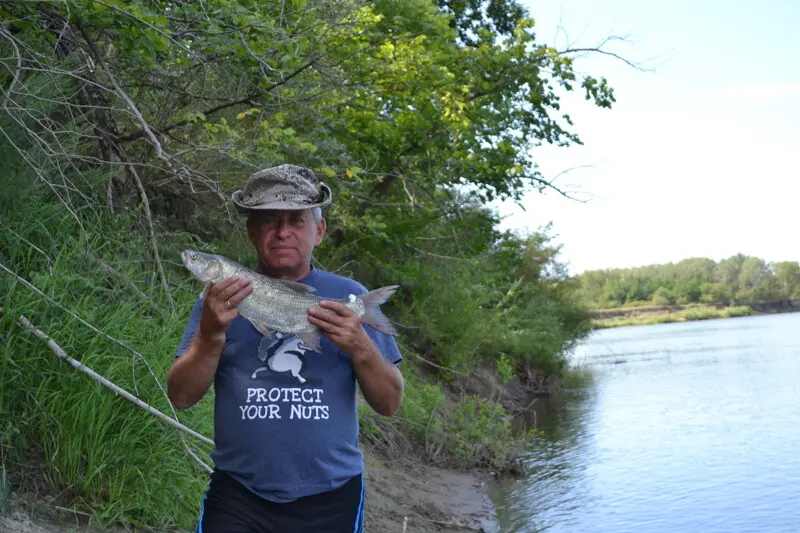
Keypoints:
pixel 284 273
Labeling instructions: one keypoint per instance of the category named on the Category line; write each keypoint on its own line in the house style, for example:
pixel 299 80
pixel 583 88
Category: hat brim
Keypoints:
pixel 237 197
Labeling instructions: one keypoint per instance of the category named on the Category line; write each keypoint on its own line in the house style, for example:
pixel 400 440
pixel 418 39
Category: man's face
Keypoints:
pixel 285 239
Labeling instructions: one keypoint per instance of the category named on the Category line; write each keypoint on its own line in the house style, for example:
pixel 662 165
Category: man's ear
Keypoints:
pixel 322 226
pixel 251 229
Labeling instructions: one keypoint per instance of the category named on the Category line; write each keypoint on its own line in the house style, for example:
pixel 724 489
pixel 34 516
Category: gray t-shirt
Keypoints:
pixel 286 418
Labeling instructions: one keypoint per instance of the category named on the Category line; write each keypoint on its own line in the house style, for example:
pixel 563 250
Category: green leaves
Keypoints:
pixel 699 280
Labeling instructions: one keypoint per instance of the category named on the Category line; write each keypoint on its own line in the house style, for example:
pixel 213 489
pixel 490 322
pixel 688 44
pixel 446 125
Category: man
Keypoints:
pixel 285 418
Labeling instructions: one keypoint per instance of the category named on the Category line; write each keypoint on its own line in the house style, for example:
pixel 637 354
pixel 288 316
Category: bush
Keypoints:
pixel 662 297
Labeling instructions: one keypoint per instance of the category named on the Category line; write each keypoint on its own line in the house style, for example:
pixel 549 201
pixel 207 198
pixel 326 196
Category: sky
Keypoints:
pixel 695 159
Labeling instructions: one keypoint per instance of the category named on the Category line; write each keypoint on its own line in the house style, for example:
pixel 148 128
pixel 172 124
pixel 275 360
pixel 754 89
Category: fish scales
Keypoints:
pixel 282 305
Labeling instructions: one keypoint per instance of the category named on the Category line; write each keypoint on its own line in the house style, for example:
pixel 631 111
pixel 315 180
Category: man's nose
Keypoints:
pixel 282 229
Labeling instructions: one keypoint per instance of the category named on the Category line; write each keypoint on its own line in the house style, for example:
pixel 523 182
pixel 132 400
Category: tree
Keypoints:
pixel 694 280
pixel 662 296
pixel 787 279
pixel 727 272
pixel 752 278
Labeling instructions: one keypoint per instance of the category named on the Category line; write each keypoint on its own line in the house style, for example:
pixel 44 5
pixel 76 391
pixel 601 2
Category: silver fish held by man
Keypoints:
pixel 282 305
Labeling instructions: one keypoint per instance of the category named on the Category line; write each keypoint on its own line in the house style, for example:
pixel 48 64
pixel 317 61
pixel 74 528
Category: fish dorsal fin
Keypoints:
pixel 301 287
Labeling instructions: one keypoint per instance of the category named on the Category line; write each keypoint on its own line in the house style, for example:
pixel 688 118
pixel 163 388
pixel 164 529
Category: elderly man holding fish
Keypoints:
pixel 285 346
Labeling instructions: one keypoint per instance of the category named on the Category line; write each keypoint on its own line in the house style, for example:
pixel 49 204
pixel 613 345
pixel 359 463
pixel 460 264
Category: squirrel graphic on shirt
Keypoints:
pixel 281 354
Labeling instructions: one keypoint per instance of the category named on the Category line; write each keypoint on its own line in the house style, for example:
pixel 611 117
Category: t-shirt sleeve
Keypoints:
pixel 386 344
pixel 191 327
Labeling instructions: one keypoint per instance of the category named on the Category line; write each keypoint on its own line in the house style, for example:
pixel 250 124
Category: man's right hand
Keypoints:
pixel 219 305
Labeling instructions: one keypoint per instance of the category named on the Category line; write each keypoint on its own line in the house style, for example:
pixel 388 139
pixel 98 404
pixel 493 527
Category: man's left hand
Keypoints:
pixel 342 326
pixel 380 381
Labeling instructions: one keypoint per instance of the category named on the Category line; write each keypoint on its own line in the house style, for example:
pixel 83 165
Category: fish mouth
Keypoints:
pixel 185 257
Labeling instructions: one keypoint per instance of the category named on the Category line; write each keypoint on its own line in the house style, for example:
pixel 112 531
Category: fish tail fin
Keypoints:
pixel 373 316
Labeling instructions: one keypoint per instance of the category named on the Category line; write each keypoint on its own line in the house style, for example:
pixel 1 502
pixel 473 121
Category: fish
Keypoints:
pixel 282 305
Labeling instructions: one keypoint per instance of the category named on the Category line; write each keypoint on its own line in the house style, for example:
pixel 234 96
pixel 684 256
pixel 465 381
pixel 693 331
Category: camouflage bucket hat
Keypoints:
pixel 287 187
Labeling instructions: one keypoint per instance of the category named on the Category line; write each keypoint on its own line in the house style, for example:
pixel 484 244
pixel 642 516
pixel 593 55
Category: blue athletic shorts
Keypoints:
pixel 228 507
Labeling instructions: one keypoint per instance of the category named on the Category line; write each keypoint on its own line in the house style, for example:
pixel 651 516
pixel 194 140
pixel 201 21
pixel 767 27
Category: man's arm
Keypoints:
pixel 191 374
pixel 381 382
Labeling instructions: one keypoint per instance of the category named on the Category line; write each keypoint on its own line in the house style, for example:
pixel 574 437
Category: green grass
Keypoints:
pixel 63 433
pixel 685 315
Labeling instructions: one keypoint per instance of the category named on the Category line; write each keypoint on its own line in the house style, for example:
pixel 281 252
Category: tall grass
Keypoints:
pixel 685 315
pixel 65 434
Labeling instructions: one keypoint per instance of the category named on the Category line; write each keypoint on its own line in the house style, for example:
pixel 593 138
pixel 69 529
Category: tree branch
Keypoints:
pixel 15 78
pixel 151 231
pixel 549 184
pixel 141 133
pixel 599 49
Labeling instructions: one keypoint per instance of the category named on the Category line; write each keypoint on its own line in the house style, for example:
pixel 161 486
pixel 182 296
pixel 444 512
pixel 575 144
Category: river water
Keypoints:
pixel 686 427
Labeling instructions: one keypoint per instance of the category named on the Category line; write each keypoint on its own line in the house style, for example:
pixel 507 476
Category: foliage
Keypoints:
pixel 128 124
pixel 736 280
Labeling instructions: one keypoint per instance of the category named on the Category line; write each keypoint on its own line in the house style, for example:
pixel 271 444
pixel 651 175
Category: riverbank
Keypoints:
pixel 406 491
pixel 646 315
pixel 404 495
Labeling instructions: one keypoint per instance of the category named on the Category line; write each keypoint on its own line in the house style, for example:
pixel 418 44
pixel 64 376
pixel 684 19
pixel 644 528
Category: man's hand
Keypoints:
pixel 380 381
pixel 191 374
pixel 219 305
pixel 343 327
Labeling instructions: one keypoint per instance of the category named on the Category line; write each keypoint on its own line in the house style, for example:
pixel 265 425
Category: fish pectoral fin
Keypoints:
pixel 260 327
pixel 301 287
pixel 311 339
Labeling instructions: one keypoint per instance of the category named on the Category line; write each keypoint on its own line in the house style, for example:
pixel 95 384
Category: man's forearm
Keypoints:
pixel 380 381
pixel 192 373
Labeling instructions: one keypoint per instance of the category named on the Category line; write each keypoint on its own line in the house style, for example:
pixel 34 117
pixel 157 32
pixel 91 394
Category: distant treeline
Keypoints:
pixel 738 279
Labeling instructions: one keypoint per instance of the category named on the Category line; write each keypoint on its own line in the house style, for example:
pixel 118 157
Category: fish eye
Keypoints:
pixel 194 257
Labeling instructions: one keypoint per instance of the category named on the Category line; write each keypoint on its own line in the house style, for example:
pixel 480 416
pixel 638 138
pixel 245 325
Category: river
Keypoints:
pixel 685 427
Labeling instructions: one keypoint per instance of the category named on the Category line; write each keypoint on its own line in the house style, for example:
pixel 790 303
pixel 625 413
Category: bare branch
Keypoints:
pixel 438 255
pixel 122 94
pixel 599 50
pixel 141 133
pixel 549 185
pixel 142 21
pixel 93 328
pixel 117 274
pixel 15 74
pixel 153 240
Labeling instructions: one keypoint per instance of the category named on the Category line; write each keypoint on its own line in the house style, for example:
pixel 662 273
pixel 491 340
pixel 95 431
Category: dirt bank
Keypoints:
pixel 403 496
pixel 407 496
pixel 778 306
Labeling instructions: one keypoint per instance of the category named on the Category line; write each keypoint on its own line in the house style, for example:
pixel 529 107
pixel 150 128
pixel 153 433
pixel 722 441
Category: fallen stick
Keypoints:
pixel 56 349
pixel 109 337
